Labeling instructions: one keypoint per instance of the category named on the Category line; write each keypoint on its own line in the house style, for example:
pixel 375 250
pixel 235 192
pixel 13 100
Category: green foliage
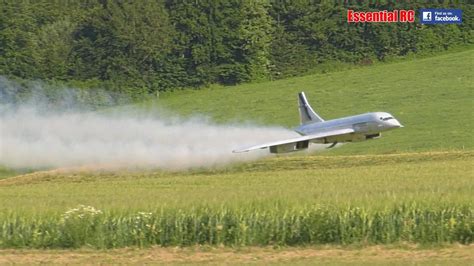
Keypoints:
pixel 221 41
pixel 123 42
pixel 16 39
pixel 86 226
pixel 6 172
pixel 162 45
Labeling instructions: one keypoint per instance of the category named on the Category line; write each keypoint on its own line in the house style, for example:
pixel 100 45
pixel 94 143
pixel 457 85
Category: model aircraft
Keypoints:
pixel 313 129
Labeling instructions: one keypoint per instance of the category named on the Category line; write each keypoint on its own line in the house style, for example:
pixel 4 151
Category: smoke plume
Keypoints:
pixel 32 136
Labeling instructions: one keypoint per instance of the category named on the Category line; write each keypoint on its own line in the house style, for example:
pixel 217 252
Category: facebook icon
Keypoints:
pixel 426 16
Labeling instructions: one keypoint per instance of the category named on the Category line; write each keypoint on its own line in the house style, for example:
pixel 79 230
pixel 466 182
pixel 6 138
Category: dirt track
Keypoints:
pixel 461 255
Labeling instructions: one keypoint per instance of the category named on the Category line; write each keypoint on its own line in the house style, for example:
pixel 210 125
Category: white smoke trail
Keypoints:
pixel 33 139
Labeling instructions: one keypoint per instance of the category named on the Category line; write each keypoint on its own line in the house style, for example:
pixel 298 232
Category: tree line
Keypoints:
pixel 153 46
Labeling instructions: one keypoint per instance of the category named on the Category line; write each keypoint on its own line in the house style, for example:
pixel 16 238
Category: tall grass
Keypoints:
pixel 86 226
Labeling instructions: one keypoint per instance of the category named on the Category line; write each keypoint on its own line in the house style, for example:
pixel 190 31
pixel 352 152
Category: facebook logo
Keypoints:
pixel 440 16
pixel 427 16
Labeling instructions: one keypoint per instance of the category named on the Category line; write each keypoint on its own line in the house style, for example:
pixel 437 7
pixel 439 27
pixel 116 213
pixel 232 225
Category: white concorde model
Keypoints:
pixel 315 130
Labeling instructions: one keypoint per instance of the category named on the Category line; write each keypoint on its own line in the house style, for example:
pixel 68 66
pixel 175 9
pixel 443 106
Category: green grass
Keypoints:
pixel 421 198
pixel 433 97
pixel 372 181
pixel 6 172
pixel 87 226
pixel 370 192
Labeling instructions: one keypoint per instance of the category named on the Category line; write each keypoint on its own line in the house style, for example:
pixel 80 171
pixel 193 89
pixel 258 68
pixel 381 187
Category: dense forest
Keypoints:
pixel 149 46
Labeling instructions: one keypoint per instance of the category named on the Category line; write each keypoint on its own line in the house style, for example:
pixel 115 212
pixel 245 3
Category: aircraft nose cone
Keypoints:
pixel 395 123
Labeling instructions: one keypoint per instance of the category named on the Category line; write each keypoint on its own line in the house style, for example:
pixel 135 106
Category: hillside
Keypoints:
pixel 432 97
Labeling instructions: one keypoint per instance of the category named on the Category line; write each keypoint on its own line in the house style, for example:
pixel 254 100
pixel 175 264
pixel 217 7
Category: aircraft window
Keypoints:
pixel 387 118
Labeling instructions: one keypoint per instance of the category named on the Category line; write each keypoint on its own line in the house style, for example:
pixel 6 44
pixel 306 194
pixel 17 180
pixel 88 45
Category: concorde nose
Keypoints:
pixel 395 123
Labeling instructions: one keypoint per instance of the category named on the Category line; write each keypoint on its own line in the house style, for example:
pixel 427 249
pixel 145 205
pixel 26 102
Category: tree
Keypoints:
pixel 123 41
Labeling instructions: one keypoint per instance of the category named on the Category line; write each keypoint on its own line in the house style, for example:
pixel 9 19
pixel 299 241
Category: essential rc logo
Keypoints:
pixel 381 16
pixel 441 16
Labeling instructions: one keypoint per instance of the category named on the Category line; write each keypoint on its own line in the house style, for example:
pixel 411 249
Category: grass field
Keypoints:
pixel 372 181
pixel 370 199
pixel 425 170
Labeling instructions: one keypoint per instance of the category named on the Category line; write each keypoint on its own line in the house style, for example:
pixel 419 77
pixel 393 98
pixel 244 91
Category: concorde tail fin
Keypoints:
pixel 307 114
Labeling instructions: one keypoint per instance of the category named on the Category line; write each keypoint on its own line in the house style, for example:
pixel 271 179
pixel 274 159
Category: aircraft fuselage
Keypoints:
pixel 366 126
pixel 314 129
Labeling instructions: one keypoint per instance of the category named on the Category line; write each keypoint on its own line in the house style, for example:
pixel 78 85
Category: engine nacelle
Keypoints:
pixel 357 138
pixel 373 136
pixel 361 137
